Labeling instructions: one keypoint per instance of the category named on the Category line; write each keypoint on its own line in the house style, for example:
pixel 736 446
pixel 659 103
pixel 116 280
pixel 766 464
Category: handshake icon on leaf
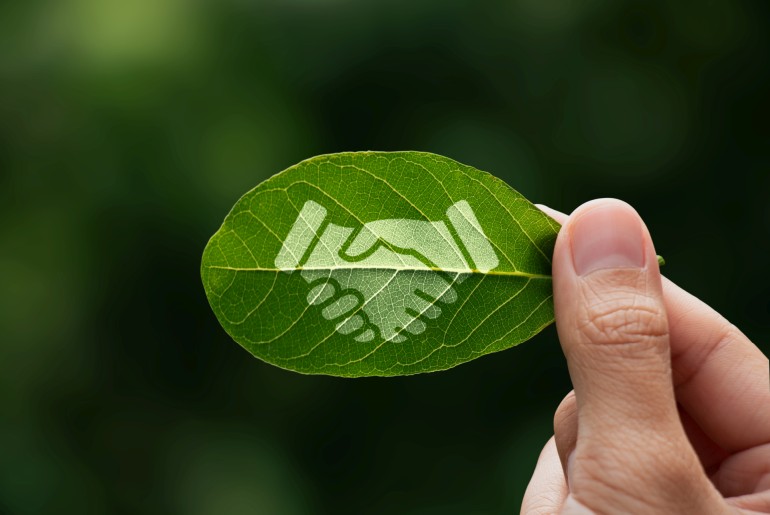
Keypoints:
pixel 383 279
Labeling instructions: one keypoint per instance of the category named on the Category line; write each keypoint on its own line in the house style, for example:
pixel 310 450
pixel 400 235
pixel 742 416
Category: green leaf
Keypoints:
pixel 380 264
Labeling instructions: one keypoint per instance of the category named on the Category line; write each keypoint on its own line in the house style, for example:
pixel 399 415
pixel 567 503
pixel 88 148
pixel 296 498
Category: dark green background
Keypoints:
pixel 128 130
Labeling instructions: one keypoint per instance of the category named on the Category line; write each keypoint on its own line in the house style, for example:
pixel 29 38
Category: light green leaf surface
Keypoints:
pixel 380 264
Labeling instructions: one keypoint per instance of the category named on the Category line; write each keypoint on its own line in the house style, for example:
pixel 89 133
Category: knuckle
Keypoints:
pixel 623 317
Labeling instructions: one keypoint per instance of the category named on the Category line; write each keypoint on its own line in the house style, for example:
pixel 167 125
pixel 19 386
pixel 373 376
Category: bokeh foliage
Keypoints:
pixel 128 129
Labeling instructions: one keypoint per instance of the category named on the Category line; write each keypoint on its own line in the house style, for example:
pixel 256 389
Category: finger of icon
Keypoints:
pixel 423 306
pixel 437 288
pixel 431 311
pixel 363 241
pixel 340 307
pixel 366 336
pixel 320 293
pixel 416 326
pixel 397 338
pixel 350 324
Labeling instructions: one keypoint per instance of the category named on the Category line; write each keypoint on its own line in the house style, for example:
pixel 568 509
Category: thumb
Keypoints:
pixel 613 329
pixel 360 242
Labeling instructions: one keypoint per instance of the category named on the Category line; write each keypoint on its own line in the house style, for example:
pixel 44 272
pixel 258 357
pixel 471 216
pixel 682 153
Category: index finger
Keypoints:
pixel 720 377
pixel 547 489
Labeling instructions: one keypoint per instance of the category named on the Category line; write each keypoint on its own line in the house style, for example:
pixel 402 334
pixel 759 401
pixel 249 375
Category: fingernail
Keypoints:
pixel 607 236
pixel 570 467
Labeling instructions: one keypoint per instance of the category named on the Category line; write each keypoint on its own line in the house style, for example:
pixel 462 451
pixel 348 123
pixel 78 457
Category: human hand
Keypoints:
pixel 671 407
pixel 385 278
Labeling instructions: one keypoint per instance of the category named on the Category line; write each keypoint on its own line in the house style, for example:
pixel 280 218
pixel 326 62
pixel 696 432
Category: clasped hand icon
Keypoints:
pixel 386 278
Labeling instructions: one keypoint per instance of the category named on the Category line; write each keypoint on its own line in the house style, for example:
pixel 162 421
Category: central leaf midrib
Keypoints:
pixel 501 273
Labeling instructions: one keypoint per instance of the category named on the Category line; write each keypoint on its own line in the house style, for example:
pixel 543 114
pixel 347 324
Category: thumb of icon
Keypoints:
pixel 626 450
pixel 362 242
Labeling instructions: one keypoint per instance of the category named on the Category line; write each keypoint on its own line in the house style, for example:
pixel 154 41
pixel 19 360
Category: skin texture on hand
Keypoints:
pixel 671 407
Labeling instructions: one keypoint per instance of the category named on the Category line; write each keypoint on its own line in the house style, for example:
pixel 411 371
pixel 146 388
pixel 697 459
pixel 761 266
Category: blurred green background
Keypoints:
pixel 129 128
